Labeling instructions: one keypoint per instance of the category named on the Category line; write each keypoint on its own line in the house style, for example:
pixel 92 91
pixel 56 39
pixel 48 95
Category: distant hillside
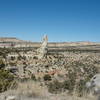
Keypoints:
pixel 10 39
pixel 14 39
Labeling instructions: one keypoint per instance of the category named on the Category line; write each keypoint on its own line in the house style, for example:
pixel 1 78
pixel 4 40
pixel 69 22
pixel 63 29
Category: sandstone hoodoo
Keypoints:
pixel 42 51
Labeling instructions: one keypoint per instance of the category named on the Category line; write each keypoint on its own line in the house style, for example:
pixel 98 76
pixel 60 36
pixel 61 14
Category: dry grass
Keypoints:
pixel 33 91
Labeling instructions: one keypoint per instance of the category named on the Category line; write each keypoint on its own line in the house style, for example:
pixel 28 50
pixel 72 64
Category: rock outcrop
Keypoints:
pixel 42 51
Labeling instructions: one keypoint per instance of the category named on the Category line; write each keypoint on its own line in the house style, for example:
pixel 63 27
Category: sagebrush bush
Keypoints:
pixel 6 80
pixel 47 77
pixel 2 64
pixel 69 84
pixel 55 87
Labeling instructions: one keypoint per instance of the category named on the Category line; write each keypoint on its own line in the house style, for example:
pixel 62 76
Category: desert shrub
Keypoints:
pixel 33 77
pixel 24 57
pixel 6 80
pixel 69 83
pixel 47 77
pixel 55 87
pixel 81 87
pixel 2 64
pixel 12 58
pixel 19 58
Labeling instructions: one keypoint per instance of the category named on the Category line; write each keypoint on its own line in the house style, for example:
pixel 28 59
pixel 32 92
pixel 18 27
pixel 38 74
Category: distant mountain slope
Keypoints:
pixel 50 44
pixel 10 39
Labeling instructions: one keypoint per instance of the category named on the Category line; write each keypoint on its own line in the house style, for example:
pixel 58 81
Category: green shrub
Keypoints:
pixel 81 87
pixel 33 77
pixel 2 64
pixel 6 80
pixel 47 77
pixel 55 87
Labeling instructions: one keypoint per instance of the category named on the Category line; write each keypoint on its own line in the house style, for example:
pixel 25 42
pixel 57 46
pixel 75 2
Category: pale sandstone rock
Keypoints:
pixel 42 51
pixel 10 98
pixel 94 84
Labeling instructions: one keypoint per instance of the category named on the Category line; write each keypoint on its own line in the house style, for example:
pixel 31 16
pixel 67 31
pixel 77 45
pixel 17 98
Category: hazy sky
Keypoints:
pixel 61 20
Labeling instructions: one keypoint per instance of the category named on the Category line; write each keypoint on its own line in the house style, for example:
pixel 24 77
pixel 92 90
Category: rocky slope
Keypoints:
pixel 57 73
